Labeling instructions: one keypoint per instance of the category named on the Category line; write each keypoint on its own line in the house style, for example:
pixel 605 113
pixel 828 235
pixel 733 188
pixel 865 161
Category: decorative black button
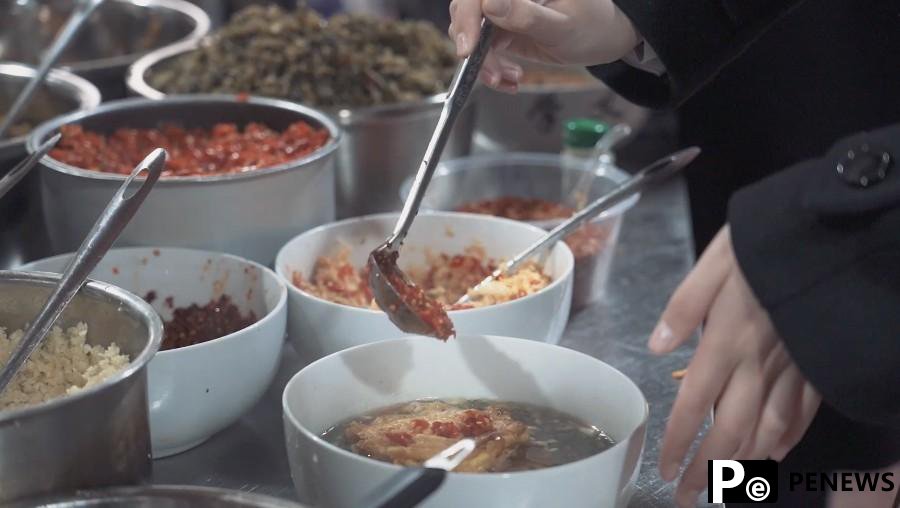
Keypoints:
pixel 864 166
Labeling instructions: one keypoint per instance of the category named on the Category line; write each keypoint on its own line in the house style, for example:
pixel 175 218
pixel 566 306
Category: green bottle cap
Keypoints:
pixel 584 132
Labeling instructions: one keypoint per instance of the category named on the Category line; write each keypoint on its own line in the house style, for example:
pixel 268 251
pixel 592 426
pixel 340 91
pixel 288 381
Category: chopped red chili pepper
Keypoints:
pixel 586 241
pixel 445 429
pixel 223 149
pixel 195 324
pixel 518 208
pixel 429 310
pixel 419 426
pixel 400 438
pixel 476 423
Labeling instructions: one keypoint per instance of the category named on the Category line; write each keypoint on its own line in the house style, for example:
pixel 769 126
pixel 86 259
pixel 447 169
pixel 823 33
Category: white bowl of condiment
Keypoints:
pixel 197 390
pixel 361 380
pixel 319 327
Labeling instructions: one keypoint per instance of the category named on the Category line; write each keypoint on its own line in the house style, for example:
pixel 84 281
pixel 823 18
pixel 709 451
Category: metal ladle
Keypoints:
pixel 411 486
pixel 654 173
pixel 398 297
pixel 18 173
pixel 112 221
pixel 82 11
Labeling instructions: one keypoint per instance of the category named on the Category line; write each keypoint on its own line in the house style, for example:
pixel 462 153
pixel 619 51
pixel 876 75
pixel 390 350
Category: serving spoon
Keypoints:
pixel 413 485
pixel 18 173
pixel 407 306
pixel 82 12
pixel 112 221
pixel 654 173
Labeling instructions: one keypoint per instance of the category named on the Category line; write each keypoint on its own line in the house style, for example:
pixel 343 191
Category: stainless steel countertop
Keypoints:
pixel 653 256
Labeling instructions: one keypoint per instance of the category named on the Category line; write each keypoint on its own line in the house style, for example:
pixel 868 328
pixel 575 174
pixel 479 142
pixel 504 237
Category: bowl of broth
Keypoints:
pixel 552 426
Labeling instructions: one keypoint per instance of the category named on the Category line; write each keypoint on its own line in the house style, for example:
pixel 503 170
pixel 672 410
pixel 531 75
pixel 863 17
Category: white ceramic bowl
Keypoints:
pixel 364 378
pixel 319 327
pixel 198 390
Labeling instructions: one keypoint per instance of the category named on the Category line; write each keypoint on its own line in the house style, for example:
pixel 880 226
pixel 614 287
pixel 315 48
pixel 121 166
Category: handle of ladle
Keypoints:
pixel 465 80
pixel 83 9
pixel 21 170
pixel 655 172
pixel 106 230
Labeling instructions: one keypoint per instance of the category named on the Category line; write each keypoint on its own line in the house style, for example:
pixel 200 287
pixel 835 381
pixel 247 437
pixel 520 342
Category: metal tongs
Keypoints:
pixel 112 221
pixel 83 10
pixel 18 173
pixel 390 286
pixel 654 173
pixel 411 486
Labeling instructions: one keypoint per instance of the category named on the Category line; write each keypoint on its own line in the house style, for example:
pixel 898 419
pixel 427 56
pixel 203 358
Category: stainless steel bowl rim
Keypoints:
pixel 144 311
pixel 392 216
pixel 83 91
pixel 197 15
pixel 315 437
pixel 44 130
pixel 282 297
pixel 137 83
pixel 610 171
pixel 161 492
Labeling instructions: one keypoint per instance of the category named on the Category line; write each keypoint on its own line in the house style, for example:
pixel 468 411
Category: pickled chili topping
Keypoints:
pixel 195 324
pixel 517 208
pixel 429 310
pixel 224 149
pixel 586 241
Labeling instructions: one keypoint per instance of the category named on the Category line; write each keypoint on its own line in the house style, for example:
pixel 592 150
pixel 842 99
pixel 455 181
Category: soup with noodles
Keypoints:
pixel 509 436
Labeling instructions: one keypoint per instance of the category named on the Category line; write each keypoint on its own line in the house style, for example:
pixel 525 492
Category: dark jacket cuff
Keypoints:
pixel 823 257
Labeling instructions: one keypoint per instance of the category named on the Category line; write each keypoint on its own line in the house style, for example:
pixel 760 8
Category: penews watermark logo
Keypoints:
pixel 743 481
pixel 756 481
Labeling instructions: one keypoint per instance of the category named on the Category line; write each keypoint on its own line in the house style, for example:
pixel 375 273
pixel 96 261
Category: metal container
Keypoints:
pixel 21 225
pixel 382 146
pixel 249 214
pixel 97 437
pixel 532 120
pixel 164 496
pixel 116 35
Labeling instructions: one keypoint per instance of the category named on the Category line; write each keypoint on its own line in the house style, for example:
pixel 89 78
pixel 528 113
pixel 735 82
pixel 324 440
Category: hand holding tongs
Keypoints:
pixel 83 10
pixel 411 486
pixel 112 221
pixel 655 172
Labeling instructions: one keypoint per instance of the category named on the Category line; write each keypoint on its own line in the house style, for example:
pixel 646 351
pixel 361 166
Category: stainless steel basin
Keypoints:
pixel 382 145
pixel 116 35
pixel 95 438
pixel 22 235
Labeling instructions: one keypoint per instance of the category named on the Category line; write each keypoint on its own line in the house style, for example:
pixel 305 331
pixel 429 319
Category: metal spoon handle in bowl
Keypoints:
pixel 112 221
pixel 83 10
pixel 411 486
pixel 654 173
pixel 465 80
pixel 18 173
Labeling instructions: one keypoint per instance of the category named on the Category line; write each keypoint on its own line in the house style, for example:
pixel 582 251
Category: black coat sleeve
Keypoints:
pixel 822 255
pixel 694 39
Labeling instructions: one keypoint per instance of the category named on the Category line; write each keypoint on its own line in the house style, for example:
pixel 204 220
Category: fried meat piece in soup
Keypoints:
pixel 414 433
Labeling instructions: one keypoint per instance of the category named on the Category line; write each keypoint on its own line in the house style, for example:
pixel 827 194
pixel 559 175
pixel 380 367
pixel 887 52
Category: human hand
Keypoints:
pixel 763 402
pixel 582 32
